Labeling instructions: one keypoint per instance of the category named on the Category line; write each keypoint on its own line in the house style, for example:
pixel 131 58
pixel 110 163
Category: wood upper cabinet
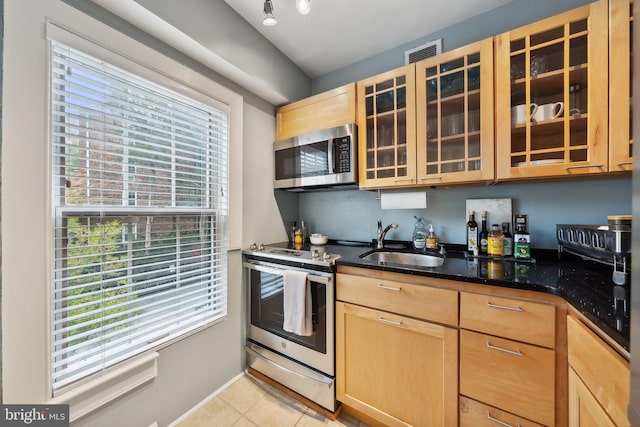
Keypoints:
pixel 325 110
pixel 556 69
pixel 598 379
pixel 454 96
pixel 386 129
pixel 620 72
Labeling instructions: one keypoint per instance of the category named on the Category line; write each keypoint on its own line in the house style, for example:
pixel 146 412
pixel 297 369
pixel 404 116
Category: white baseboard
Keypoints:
pixel 205 400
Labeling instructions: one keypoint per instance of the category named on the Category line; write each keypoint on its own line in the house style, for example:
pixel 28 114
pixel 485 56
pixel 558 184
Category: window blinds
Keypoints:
pixel 139 211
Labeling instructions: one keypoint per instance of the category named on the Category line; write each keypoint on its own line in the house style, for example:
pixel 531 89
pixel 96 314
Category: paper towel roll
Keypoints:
pixel 403 200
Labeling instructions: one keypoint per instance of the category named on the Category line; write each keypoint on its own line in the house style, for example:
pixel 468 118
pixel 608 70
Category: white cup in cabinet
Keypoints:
pixel 548 111
pixel 519 113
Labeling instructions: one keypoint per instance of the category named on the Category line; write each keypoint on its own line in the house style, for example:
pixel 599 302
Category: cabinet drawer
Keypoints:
pixel 515 319
pixel 513 376
pixel 477 414
pixel 603 371
pixel 423 302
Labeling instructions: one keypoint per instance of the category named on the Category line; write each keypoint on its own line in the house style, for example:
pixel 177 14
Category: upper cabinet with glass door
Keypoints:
pixel 454 97
pixel 620 73
pixel 386 129
pixel 551 96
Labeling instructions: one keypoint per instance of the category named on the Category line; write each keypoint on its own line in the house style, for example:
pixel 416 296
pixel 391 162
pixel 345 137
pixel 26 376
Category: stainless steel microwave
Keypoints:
pixel 317 160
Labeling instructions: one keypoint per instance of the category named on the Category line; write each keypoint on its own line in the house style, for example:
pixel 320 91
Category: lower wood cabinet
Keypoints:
pixel 397 370
pixel 598 379
pixel 416 351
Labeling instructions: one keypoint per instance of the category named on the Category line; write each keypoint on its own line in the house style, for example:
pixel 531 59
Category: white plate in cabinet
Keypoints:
pixel 516 377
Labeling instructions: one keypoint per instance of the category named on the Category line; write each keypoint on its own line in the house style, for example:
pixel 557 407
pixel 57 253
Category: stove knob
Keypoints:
pixel 253 247
pixel 261 247
pixel 327 256
pixel 315 254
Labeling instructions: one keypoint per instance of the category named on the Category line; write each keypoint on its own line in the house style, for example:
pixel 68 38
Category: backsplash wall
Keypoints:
pixel 353 214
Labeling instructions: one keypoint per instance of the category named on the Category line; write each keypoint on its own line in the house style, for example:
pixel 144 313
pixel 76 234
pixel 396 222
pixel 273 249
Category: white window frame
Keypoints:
pixel 150 370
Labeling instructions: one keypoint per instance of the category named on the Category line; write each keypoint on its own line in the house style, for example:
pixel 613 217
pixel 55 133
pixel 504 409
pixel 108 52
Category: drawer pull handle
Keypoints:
pixel 583 167
pixel 497 421
pixel 390 322
pixel 503 307
pixel 493 347
pixel 389 288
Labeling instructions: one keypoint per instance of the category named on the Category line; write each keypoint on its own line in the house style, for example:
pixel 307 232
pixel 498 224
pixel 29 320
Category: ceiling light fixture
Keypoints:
pixel 269 19
pixel 303 6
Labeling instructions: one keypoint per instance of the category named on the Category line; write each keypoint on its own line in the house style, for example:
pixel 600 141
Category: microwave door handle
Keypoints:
pixel 331 155
pixel 280 272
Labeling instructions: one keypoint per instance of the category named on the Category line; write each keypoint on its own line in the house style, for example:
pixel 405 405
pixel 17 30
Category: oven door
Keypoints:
pixel 266 315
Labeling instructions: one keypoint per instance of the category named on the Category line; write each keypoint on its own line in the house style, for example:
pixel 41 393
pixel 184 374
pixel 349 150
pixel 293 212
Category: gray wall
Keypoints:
pixel 353 214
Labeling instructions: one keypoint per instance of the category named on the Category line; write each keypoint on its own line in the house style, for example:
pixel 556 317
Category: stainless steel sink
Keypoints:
pixel 404 258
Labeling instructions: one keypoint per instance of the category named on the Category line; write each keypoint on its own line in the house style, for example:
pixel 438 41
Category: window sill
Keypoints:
pixel 113 384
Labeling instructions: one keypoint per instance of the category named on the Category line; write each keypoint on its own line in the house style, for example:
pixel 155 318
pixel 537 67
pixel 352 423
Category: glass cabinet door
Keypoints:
pixel 551 80
pixel 386 129
pixel 454 96
pixel 620 78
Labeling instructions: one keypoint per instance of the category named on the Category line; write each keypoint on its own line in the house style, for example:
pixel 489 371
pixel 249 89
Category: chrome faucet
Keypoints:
pixel 382 233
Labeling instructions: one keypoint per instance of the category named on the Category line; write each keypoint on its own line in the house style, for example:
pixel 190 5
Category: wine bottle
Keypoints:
pixel 484 235
pixel 507 239
pixel 472 232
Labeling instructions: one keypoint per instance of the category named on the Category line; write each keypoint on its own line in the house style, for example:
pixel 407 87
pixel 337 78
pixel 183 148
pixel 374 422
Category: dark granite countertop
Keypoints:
pixel 586 285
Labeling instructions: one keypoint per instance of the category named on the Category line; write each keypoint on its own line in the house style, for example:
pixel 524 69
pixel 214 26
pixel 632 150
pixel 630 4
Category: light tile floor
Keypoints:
pixel 252 402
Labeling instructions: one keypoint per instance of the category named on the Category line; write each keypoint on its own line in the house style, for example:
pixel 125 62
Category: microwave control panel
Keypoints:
pixel 343 154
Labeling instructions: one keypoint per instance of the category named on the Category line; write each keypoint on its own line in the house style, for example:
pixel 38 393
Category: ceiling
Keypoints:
pixel 338 33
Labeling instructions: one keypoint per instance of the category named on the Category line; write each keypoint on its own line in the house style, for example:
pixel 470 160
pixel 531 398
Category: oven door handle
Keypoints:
pixel 324 381
pixel 280 272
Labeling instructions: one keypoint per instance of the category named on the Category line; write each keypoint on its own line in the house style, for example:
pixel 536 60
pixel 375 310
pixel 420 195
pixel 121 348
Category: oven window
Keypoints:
pixel 303 161
pixel 267 311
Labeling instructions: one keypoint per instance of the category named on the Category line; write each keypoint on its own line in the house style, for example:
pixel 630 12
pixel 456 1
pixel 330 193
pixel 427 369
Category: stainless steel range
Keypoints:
pixel 303 363
pixel 607 244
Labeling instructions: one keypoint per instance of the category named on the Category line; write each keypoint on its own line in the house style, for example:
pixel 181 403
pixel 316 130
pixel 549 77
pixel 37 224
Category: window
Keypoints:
pixel 139 211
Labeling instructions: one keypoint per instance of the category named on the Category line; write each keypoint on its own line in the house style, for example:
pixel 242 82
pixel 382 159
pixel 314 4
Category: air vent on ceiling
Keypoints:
pixel 426 50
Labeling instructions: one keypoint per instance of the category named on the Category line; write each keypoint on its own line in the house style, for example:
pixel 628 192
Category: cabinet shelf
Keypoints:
pixel 386 114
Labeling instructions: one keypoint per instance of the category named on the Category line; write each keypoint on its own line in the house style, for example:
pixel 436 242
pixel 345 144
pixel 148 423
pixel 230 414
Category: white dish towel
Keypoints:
pixel 297 303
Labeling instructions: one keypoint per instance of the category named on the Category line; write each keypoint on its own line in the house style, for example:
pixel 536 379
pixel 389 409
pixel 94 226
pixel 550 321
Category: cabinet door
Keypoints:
pixel 584 409
pixel 600 368
pixel 398 370
pixel 325 110
pixel 454 105
pixel 620 72
pixel 556 69
pixel 386 129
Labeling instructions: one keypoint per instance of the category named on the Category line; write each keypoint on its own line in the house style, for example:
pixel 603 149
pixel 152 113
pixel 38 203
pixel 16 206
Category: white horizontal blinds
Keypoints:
pixel 140 207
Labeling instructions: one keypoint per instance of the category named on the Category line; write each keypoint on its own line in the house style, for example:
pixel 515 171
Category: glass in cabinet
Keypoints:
pixel 454 96
pixel 551 80
pixel 386 129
